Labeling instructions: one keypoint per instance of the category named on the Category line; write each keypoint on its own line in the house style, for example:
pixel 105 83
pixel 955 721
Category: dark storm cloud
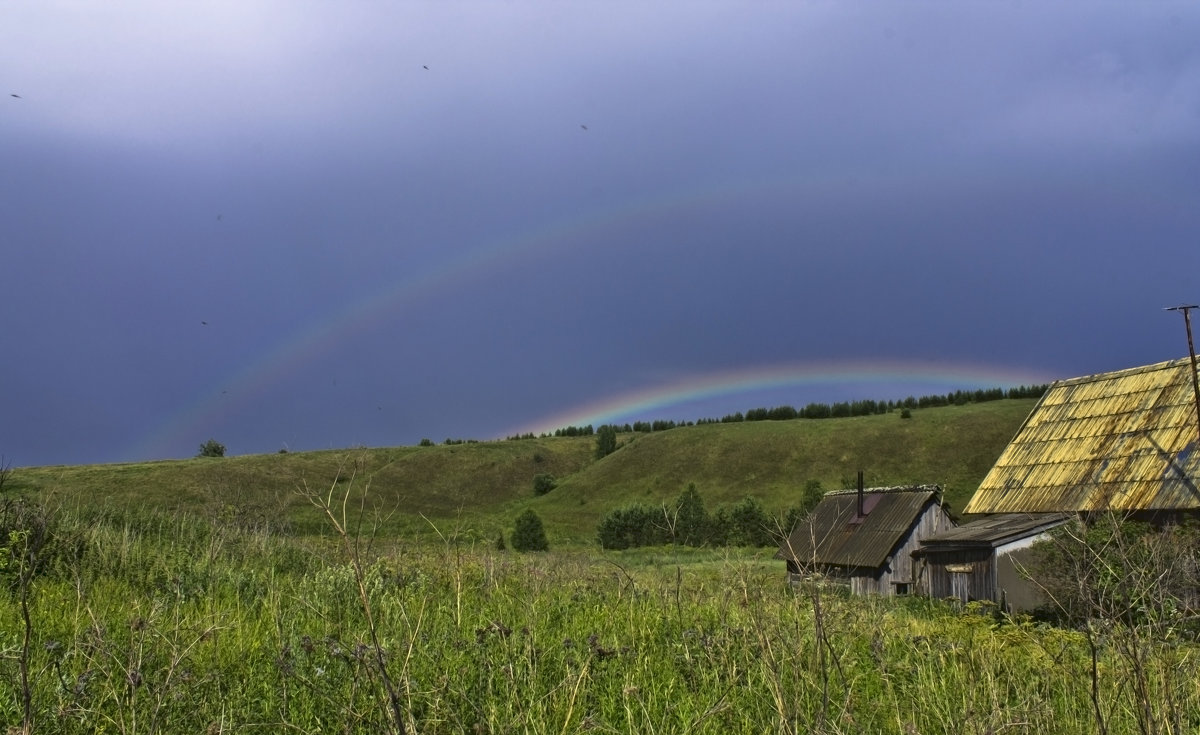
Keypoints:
pixel 296 224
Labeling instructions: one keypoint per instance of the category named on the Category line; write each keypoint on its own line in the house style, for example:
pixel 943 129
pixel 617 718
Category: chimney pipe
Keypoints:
pixel 860 495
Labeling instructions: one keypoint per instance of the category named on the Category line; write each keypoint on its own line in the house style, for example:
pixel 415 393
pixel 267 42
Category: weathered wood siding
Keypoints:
pixel 964 574
pixel 899 568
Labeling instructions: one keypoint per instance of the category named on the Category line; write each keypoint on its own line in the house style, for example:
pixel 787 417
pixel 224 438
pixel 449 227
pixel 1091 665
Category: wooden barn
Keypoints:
pixel 865 537
pixel 985 560
pixel 1121 442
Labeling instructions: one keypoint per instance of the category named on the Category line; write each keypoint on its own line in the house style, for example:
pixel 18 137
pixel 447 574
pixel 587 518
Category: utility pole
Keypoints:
pixel 1187 322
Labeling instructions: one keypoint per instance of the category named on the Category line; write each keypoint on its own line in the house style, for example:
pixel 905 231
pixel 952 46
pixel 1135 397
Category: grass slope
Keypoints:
pixel 954 447
pixel 480 487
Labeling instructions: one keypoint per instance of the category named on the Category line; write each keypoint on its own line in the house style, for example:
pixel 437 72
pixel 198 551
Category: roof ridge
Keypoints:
pixel 1124 373
pixel 888 489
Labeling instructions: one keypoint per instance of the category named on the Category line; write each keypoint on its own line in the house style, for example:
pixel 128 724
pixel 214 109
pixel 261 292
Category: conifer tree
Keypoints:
pixel 529 534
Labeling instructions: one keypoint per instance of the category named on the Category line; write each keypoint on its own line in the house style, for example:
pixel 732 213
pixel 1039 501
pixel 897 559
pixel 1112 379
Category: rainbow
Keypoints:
pixel 226 395
pixel 911 376
pixel 304 344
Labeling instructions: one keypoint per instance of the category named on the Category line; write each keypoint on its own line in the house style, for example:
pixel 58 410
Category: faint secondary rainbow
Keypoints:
pixel 318 337
pixel 651 403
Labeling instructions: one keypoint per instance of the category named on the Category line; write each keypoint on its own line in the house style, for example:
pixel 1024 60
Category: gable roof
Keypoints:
pixel 993 531
pixel 1123 440
pixel 835 534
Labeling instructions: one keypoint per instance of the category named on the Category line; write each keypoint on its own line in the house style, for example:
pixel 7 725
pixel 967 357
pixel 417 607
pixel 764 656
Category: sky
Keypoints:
pixel 299 225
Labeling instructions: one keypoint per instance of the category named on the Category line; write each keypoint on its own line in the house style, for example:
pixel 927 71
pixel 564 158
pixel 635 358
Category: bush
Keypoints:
pixel 543 483
pixel 212 448
pixel 528 534
pixel 630 527
pixel 1122 571
pixel 749 525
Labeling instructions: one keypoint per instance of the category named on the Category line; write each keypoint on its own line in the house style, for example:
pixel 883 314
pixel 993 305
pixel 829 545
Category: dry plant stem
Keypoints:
pixel 353 550
pixel 27 637
pixel 574 695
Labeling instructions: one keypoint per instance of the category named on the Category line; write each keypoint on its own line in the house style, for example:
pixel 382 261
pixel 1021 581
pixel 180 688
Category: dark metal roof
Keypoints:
pixel 835 534
pixel 994 531
pixel 1123 440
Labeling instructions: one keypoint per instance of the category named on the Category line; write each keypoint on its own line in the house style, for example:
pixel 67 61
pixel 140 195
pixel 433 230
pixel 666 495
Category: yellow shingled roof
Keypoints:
pixel 1114 441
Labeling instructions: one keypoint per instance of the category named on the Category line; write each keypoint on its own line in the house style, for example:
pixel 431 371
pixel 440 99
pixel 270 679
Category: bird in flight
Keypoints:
pixel 583 126
pixel 426 68
pixel 17 96
pixel 204 323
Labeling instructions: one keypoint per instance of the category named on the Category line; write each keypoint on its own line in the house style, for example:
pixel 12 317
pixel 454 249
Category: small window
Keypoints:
pixel 903 588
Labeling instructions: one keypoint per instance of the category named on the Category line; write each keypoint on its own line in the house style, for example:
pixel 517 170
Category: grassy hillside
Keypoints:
pixel 479 488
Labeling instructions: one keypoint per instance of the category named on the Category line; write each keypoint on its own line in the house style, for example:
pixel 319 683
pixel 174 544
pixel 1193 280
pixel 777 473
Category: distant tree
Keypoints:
pixel 812 494
pixel 692 526
pixel 528 533
pixel 606 441
pixel 427 442
pixel 791 519
pixel 720 529
pixel 543 483
pixel 5 472
pixel 212 448
pixel 906 413
pixel 817 411
pixel 748 525
pixel 781 413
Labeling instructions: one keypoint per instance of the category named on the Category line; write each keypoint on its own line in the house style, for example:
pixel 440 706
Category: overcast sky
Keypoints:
pixel 322 225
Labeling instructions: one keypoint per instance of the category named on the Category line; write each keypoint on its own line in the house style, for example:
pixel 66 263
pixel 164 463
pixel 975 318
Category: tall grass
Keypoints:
pixel 169 624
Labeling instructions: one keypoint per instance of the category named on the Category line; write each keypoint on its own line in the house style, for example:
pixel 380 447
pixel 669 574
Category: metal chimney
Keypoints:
pixel 861 512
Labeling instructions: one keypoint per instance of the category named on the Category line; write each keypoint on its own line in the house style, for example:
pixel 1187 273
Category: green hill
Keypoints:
pixel 476 489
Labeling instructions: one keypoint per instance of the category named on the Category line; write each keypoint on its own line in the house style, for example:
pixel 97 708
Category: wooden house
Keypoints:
pixel 985 560
pixel 865 537
pixel 1122 442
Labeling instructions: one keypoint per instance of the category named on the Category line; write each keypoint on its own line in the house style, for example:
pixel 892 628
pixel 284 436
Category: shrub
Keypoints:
pixel 212 448
pixel 748 525
pixel 543 483
pixel 630 527
pixel 528 533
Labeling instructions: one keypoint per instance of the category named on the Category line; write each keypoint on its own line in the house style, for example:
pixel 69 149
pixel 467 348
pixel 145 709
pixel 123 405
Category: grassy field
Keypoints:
pixel 216 596
pixel 478 488
pixel 145 622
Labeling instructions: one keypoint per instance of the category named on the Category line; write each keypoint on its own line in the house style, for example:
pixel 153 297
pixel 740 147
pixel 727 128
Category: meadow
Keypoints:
pixel 148 622
pixel 363 591
pixel 483 486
